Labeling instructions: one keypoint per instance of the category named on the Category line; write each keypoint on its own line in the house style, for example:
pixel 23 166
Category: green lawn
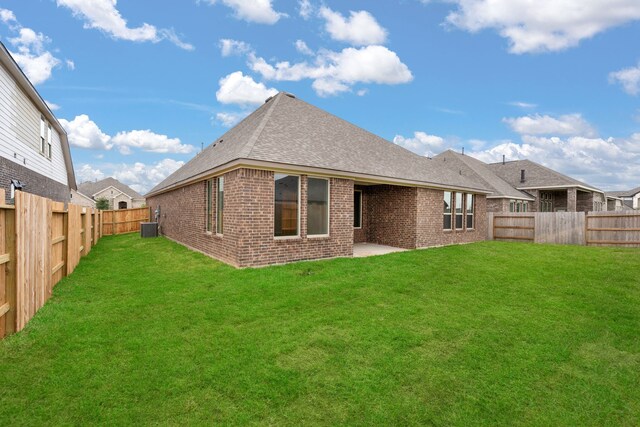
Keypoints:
pixel 146 331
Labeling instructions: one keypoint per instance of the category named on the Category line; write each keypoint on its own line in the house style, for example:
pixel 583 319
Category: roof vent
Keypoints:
pixel 522 175
pixel 290 95
pixel 268 99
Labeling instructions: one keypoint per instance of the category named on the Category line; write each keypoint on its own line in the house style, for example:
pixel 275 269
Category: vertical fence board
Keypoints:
pixel 74 224
pixel 123 221
pixel 565 228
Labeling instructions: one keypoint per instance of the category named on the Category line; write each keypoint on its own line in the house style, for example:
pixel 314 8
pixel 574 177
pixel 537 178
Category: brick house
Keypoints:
pixel 34 151
pixel 629 198
pixel 526 186
pixel 293 182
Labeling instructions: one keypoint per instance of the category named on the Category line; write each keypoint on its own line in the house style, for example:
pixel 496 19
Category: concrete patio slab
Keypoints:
pixel 370 249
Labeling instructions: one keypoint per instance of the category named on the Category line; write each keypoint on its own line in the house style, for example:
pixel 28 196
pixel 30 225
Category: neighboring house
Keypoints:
pixel 77 198
pixel 552 191
pixel 293 182
pixel 119 195
pixel 629 198
pixel 34 151
pixel 503 197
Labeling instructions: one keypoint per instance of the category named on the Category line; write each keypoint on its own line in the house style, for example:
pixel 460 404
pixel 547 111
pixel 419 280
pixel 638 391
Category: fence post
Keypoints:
pixel 10 270
pixel 65 242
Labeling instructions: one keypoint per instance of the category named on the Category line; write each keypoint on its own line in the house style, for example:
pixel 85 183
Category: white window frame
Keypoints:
pixel 328 233
pixel 451 209
pixel 361 199
pixel 219 232
pixel 43 134
pixel 473 211
pixel 208 202
pixel 49 141
pixel 455 208
pixel 297 236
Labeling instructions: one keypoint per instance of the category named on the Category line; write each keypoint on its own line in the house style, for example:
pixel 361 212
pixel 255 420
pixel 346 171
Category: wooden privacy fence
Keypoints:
pixel 40 243
pixel 123 220
pixel 568 228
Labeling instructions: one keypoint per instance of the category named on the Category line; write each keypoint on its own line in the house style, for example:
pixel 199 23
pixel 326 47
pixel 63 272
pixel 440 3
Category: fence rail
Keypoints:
pixel 40 243
pixel 124 220
pixel 569 228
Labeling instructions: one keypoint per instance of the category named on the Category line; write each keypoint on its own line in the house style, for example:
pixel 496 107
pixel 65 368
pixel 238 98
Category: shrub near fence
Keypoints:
pixel 568 228
pixel 40 243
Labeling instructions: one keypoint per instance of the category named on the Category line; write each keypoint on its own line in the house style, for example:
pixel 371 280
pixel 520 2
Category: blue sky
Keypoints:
pixel 140 85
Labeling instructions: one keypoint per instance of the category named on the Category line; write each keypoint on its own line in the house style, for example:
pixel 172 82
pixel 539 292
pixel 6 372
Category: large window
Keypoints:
pixel 208 190
pixel 49 141
pixel 459 210
pixel 357 209
pixel 43 135
pixel 317 206
pixel 287 192
pixel 220 205
pixel 447 210
pixel 546 201
pixel 470 210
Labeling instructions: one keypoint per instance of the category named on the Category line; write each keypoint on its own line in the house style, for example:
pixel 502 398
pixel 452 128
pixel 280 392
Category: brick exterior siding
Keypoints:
pixel 500 205
pixel 33 181
pixel 406 217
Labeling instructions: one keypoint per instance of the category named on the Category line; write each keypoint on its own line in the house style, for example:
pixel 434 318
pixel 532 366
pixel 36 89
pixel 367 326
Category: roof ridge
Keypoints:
pixel 256 134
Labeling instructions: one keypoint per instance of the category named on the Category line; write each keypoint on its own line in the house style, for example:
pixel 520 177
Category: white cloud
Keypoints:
pixel 421 143
pixel 230 47
pixel 7 16
pixel 85 133
pixel 227 119
pixel 335 72
pixel 258 11
pixel 362 92
pixel 70 64
pixel 36 62
pixel 146 140
pixel 302 47
pixel 52 106
pixel 139 176
pixel 359 29
pixel 629 78
pixel 543 25
pixel 237 88
pixel 104 16
pixel 568 124
pixel 305 9
pixel 524 105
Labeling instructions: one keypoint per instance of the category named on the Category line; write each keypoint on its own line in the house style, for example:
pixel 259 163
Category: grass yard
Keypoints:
pixel 148 332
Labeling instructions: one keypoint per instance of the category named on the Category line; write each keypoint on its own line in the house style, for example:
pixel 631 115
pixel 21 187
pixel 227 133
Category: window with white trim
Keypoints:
pixel 43 135
pixel 357 209
pixel 287 209
pixel 446 222
pixel 220 205
pixel 459 206
pixel 471 200
pixel 208 201
pixel 317 206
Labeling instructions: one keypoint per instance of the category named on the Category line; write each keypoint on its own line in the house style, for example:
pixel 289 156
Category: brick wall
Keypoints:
pixel 585 201
pixel 34 182
pixel 499 205
pixel 391 215
pixel 430 221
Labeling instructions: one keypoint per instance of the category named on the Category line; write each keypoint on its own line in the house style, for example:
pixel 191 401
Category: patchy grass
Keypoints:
pixel 146 331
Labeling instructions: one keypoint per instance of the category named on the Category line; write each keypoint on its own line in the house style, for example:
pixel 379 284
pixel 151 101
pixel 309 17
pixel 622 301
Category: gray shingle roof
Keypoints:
pixel 479 172
pixel 289 131
pixel 627 193
pixel 536 175
pixel 92 187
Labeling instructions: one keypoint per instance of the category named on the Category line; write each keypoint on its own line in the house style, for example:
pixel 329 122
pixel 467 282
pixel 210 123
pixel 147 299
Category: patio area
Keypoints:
pixel 370 249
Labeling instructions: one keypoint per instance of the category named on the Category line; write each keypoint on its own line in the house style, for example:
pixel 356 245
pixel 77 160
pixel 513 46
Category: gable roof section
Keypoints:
pixel 479 172
pixel 92 187
pixel 16 72
pixel 292 133
pixel 628 193
pixel 536 176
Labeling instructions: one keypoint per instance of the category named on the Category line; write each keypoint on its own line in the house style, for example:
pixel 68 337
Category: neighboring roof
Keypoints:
pixel 628 193
pixel 536 176
pixel 479 172
pixel 93 187
pixel 16 72
pixel 290 132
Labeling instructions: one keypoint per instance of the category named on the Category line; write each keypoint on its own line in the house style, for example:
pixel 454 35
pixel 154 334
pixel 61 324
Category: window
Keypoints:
pixel 357 209
pixel 512 205
pixel 525 206
pixel 447 211
pixel 220 205
pixel 459 210
pixel 122 205
pixel 317 206
pixel 546 201
pixel 43 135
pixel 470 208
pixel 49 142
pixel 207 213
pixel 286 215
pixel 518 206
